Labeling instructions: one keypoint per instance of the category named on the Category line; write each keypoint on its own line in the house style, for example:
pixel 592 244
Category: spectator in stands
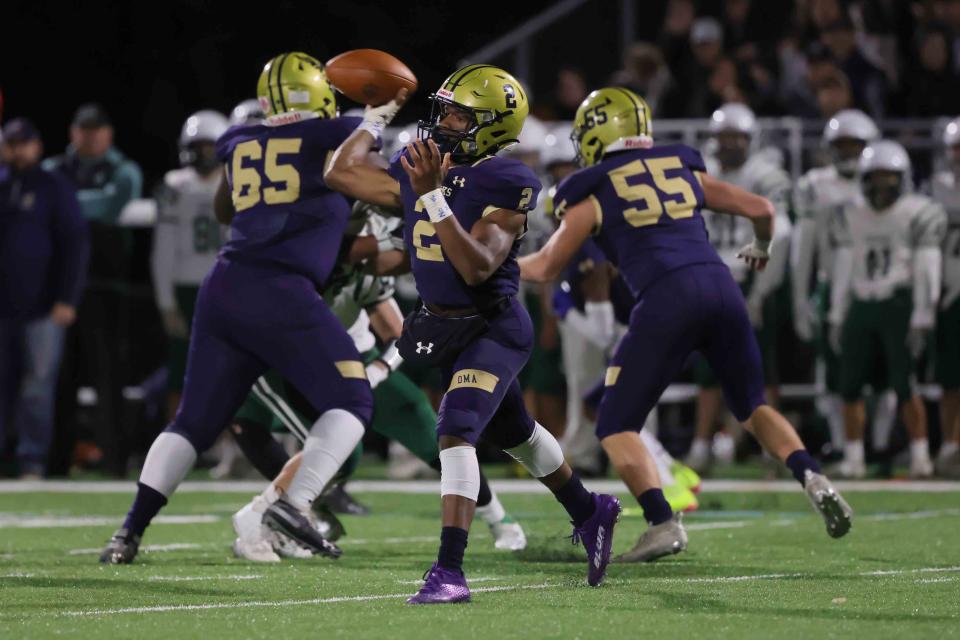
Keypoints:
pixel 866 81
pixel 950 17
pixel 932 88
pixel 675 34
pixel 44 247
pixel 106 181
pixel 695 84
pixel 568 92
pixel 833 94
pixel 646 73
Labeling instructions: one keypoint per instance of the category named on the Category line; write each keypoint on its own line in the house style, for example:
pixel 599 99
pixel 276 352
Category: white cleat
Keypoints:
pixel 921 468
pixel 836 513
pixel 508 535
pixel 664 539
pixel 251 543
pixel 850 470
pixel 287 547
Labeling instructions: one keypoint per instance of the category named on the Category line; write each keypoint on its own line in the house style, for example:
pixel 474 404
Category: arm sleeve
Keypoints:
pixel 768 280
pixel 73 244
pixel 928 231
pixel 840 291
pixel 803 244
pixel 164 250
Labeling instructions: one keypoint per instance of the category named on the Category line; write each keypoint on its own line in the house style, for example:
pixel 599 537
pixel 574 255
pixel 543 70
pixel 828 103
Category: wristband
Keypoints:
pixel 761 245
pixel 436 205
pixel 391 356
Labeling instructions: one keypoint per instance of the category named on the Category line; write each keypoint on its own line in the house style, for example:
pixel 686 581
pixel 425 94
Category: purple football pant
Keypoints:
pixel 251 318
pixel 483 396
pixel 696 308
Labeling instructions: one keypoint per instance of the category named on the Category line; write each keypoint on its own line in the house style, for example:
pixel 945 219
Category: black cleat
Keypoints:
pixel 328 524
pixel 285 518
pixel 342 502
pixel 121 549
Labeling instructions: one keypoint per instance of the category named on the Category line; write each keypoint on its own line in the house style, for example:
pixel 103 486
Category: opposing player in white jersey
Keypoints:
pixel 247 112
pixel 945 189
pixel 738 160
pixel 187 237
pixel 887 271
pixel 819 196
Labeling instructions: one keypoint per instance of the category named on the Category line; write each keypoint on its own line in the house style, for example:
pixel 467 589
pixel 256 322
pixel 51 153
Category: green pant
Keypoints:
pixel 401 411
pixel 948 346
pixel 177 348
pixel 875 335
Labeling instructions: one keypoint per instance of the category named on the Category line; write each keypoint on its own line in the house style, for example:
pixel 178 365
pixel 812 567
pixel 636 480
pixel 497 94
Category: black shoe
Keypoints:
pixel 328 524
pixel 287 519
pixel 340 501
pixel 121 549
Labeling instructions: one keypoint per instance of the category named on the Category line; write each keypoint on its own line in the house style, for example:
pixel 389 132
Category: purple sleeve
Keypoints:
pixel 507 184
pixel 574 189
pixel 72 240
pixel 691 158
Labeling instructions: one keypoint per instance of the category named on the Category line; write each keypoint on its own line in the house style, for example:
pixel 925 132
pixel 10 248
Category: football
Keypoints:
pixel 369 76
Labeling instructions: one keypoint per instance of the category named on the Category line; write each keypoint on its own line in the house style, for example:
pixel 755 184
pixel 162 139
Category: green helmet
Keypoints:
pixel 610 119
pixel 497 102
pixel 293 82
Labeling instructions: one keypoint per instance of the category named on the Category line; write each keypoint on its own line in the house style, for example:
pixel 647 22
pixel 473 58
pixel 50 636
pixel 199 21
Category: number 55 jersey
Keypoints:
pixel 285 214
pixel 649 224
pixel 648 205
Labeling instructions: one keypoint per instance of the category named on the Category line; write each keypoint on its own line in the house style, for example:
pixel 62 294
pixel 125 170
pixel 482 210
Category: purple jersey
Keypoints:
pixel 472 191
pixel 649 202
pixel 285 214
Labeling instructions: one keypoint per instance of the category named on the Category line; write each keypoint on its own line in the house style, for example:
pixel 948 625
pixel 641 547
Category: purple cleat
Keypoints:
pixel 597 536
pixel 444 586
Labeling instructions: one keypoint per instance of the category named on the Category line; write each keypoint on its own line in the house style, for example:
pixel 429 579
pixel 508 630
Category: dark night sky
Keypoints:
pixel 153 63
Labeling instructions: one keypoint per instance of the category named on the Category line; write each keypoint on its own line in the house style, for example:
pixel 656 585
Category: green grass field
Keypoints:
pixel 759 565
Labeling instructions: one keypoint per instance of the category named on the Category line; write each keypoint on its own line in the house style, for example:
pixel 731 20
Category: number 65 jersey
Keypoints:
pixel 285 215
pixel 648 211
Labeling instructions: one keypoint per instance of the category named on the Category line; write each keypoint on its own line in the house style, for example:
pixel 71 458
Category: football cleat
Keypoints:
pixel 836 513
pixel 121 549
pixel 680 499
pixel 284 518
pixel 685 476
pixel 508 535
pixel 596 534
pixel 442 586
pixel 252 543
pixel 286 547
pixel 664 539
pixel 948 466
pixel 327 522
pixel 342 502
pixel 921 468
pixel 849 470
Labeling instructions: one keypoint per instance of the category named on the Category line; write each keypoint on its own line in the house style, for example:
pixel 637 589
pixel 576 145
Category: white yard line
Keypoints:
pixel 432 487
pixel 933 580
pixel 349 542
pixel 195 578
pixel 899 572
pixel 282 603
pixel 27 521
pixel 177 546
pixel 470 581
pixel 707 526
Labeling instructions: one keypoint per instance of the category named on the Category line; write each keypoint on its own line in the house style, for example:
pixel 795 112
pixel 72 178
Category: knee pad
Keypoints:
pixel 460 472
pixel 541 455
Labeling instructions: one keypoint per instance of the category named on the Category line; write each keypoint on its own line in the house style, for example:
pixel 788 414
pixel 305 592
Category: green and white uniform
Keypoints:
pixel 945 189
pixel 887 274
pixel 185 244
pixel 760 174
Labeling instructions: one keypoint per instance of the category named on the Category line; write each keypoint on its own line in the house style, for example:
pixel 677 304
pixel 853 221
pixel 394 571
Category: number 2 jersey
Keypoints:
pixel 472 191
pixel 649 205
pixel 286 216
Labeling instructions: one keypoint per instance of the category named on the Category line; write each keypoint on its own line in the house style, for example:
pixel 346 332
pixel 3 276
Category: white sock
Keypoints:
pixel 853 452
pixel 832 410
pixel 884 418
pixel 492 513
pixel 920 449
pixel 948 449
pixel 660 457
pixel 332 439
pixel 168 462
pixel 700 448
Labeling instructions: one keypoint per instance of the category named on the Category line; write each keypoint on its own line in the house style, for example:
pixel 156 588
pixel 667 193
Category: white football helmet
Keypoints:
pixel 885 156
pixel 842 134
pixel 558 147
pixel 247 112
pixel 202 126
pixel 734 116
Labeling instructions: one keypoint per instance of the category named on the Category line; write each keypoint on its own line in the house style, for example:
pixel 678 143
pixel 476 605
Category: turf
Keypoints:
pixel 759 565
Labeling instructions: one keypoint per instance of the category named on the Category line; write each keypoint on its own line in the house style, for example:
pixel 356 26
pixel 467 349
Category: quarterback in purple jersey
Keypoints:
pixel 464 212
pixel 643 203
pixel 260 306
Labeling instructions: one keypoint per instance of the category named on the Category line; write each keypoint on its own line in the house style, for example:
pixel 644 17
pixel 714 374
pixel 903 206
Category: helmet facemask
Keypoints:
pixel 461 145
pixel 882 188
pixel 733 148
pixel 845 155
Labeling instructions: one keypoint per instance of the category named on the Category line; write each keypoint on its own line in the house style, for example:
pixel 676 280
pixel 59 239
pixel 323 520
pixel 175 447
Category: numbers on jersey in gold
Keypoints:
pixel 247 180
pixel 649 204
pixel 422 230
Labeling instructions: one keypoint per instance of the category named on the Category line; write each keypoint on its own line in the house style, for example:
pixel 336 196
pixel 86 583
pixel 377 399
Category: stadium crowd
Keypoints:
pixel 85 382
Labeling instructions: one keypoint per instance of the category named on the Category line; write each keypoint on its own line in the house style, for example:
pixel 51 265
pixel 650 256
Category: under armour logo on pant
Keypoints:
pixel 422 347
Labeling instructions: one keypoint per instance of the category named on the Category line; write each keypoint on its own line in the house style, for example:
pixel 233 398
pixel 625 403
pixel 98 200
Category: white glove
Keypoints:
pixel 376 119
pixel 836 331
pixel 377 373
pixel 756 254
pixel 173 323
